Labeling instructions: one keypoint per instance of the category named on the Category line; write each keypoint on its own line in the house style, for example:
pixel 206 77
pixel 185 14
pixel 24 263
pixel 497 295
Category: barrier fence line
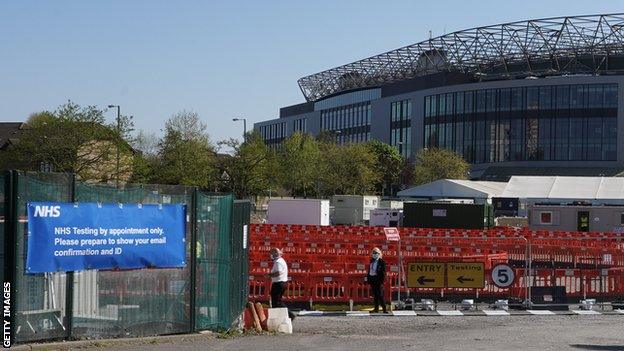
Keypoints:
pixel 208 293
pixel 585 265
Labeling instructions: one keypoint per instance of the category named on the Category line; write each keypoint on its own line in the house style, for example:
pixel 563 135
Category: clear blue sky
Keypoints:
pixel 221 59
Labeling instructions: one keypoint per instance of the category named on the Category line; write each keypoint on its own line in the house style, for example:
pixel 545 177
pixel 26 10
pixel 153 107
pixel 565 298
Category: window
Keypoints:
pixel 610 96
pixel 401 126
pixel 622 218
pixel 459 102
pixel 559 123
pixel 299 125
pixel 348 123
pixel 504 99
pixel 545 217
pixel 532 98
pixel 428 106
pixel 517 101
pixel 480 96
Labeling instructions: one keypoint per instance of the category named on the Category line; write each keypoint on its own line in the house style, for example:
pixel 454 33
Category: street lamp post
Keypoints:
pixel 119 136
pixel 337 134
pixel 244 125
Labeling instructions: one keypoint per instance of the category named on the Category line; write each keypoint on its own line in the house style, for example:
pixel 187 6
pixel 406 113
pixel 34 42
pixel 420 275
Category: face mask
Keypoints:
pixel 375 255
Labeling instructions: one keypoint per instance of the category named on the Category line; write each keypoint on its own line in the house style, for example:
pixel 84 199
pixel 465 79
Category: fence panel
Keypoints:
pixel 40 304
pixel 133 302
pixel 115 303
pixel 239 255
pixel 213 261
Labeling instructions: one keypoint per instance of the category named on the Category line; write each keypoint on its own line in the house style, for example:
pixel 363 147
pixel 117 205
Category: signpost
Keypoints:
pixel 503 276
pixel 465 275
pixel 392 234
pixel 426 275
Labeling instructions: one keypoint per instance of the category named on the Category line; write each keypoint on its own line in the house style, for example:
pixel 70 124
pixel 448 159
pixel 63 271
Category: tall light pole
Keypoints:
pixel 337 134
pixel 244 126
pixel 118 136
pixel 399 146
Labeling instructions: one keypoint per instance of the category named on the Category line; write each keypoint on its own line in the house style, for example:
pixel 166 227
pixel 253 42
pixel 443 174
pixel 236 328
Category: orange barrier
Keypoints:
pixel 328 263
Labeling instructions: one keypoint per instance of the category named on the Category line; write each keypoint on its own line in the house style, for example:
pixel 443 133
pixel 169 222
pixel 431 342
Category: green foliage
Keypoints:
pixel 77 139
pixel 299 167
pixel 389 164
pixel 434 164
pixel 142 169
pixel 188 125
pixel 247 168
pixel 145 159
pixel 185 154
pixel 71 139
pixel 348 169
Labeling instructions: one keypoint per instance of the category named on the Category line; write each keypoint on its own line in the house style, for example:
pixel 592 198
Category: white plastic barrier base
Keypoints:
pixel 279 321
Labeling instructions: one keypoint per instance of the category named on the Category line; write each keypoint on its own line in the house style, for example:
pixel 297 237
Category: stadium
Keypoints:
pixel 535 97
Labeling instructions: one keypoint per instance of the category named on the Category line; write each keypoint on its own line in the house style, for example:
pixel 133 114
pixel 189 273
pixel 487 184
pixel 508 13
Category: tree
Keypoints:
pixel 72 139
pixel 329 178
pixel 347 169
pixel 185 154
pixel 357 171
pixel 299 164
pixel 146 157
pixel 434 164
pixel 388 164
pixel 188 125
pixel 143 169
pixel 247 168
pixel 146 144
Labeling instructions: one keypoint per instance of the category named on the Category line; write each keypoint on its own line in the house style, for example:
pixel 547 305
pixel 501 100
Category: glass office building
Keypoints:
pixel 528 97
pixel 559 123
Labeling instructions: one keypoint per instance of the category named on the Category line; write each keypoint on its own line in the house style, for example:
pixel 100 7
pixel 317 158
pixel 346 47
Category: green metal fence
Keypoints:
pixel 209 293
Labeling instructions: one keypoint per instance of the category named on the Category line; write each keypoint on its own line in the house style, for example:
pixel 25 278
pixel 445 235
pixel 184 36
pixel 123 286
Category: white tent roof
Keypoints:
pixel 453 188
pixel 573 188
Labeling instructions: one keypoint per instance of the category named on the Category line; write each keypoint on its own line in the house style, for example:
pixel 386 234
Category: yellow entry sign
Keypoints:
pixel 465 275
pixel 425 275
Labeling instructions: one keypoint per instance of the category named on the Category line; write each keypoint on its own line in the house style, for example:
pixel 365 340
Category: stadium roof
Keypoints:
pixel 591 44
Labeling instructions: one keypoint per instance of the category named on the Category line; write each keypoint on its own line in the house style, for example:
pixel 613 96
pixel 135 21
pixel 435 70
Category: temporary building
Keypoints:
pixel 564 190
pixel 479 191
pixel 596 190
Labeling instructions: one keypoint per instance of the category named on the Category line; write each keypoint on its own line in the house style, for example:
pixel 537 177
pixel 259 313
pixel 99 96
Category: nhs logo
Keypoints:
pixel 47 211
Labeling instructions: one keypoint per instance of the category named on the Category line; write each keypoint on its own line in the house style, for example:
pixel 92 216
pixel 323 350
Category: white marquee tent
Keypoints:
pixel 529 189
pixel 554 189
pixel 480 191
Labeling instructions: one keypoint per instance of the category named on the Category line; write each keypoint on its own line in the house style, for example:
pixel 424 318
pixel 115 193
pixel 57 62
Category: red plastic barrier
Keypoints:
pixel 328 263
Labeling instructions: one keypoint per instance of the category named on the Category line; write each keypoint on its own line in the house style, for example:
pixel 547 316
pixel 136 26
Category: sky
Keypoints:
pixel 221 59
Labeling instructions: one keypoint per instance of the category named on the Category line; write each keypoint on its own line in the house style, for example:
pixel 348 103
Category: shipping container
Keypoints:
pixel 298 211
pixel 581 218
pixel 391 204
pixel 447 215
pixel 353 209
pixel 386 217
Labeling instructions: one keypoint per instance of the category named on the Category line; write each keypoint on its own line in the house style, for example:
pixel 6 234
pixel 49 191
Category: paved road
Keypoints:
pixel 425 333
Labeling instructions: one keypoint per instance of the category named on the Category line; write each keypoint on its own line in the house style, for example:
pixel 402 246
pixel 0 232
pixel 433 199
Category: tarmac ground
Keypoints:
pixel 495 333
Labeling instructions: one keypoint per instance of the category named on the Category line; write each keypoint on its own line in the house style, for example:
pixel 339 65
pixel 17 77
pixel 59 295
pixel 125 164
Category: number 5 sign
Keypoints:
pixel 503 276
